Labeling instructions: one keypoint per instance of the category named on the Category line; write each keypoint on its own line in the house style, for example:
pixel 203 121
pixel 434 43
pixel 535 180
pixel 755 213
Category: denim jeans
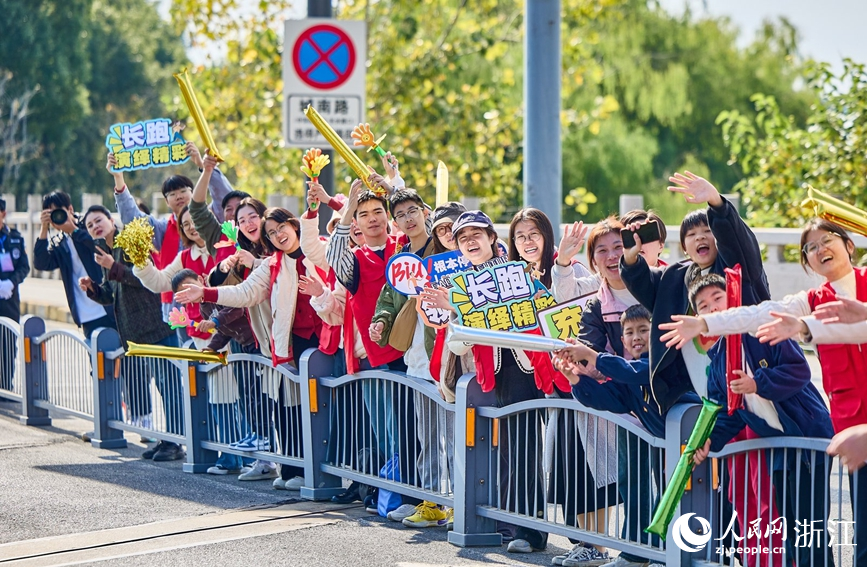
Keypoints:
pixel 226 429
pixel 168 381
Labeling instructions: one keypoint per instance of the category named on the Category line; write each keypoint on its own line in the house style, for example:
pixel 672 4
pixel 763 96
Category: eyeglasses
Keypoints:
pixel 281 228
pixel 530 236
pixel 443 230
pixel 811 248
pixel 410 212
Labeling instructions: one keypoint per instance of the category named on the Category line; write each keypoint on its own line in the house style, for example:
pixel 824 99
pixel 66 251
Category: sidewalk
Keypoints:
pixel 45 298
pixel 65 502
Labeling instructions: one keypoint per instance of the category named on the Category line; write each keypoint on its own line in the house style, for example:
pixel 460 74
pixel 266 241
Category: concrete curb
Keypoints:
pixel 47 312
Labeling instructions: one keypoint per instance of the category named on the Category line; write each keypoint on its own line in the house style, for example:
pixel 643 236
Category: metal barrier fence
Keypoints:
pixel 391 431
pixel 546 466
pixel 65 357
pixel 10 367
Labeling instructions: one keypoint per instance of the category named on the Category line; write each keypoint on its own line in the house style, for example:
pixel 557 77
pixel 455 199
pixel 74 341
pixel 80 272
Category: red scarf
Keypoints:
pixel 543 369
pixel 169 251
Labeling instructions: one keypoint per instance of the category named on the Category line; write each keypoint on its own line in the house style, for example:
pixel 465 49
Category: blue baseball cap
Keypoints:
pixel 472 218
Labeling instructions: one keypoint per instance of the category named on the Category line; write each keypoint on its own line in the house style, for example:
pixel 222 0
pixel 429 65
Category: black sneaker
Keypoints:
pixel 347 496
pixel 149 454
pixel 170 452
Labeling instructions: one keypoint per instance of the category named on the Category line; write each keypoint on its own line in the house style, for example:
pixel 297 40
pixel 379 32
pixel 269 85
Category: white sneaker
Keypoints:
pixel 217 469
pixel 279 484
pixel 587 557
pixel 260 471
pixel 403 511
pixel 295 483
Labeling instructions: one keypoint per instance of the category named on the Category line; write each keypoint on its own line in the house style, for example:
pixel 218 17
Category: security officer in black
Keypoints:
pixel 14 267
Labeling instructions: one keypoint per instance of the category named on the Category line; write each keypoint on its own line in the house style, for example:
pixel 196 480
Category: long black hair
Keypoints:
pixel 541 221
pixel 257 249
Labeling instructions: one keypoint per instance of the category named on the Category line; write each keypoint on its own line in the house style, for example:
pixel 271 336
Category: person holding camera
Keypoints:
pixel 14 267
pixel 72 252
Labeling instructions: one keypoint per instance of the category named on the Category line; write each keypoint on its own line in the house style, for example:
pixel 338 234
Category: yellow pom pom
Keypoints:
pixel 136 241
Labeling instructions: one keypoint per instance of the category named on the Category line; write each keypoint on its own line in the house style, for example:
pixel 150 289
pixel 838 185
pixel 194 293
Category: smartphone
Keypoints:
pixel 647 232
pixel 102 245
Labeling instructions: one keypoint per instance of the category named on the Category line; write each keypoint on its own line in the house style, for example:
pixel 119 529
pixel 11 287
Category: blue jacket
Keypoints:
pixel 628 391
pixel 664 293
pixel 782 376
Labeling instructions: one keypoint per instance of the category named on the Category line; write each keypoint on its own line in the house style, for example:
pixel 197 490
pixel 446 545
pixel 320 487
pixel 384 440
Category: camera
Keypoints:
pixel 59 216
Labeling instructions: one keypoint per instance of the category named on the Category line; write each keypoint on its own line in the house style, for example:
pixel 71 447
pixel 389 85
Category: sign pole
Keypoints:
pixel 322 9
pixel 542 153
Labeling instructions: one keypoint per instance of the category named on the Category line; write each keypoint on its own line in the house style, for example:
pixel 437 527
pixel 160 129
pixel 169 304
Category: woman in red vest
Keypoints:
pixel 514 376
pixel 194 257
pixel 296 326
pixel 826 249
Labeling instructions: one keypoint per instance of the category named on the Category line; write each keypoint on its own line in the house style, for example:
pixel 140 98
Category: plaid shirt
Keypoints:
pixel 138 311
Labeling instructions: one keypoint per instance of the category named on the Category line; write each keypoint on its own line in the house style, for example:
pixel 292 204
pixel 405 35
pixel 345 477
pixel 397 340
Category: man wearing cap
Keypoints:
pixel 14 267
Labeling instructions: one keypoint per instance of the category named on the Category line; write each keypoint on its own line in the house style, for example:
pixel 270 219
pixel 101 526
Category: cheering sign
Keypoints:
pixel 406 273
pixel 497 297
pixel 563 321
pixel 446 264
pixel 142 145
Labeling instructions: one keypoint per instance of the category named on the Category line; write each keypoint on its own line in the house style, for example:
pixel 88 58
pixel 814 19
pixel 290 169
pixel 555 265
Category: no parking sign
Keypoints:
pixel 323 66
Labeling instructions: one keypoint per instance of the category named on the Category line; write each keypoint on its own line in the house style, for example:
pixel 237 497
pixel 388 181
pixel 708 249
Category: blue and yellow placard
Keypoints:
pixel 498 297
pixel 146 144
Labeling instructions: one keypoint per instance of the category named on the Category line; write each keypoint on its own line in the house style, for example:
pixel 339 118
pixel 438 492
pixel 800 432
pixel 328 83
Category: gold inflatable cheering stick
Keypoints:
pixel 174 353
pixel 354 162
pixel 196 112
pixel 836 211
pixel 442 184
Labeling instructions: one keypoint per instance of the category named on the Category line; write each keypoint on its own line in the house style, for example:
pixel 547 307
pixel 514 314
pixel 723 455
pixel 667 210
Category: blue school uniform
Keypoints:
pixel 782 377
pixel 801 486
pixel 628 391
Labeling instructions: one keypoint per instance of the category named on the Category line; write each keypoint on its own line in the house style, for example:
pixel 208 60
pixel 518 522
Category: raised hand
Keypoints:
pixel 316 193
pixel 681 330
pixel 844 310
pixel 571 243
pixel 391 165
pixel 194 154
pixel 209 163
pixel 784 327
pixel 630 255
pixel 110 164
pixel 695 189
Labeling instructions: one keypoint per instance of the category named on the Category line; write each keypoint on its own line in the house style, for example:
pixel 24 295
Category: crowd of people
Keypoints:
pixel 648 337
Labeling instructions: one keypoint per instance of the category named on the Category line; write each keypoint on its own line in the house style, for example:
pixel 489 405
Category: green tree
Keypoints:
pixel 95 63
pixel 780 156
pixel 669 77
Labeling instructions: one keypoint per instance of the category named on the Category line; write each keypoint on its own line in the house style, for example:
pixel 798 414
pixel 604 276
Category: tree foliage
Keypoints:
pixel 647 105
pixel 780 157
pixel 94 63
